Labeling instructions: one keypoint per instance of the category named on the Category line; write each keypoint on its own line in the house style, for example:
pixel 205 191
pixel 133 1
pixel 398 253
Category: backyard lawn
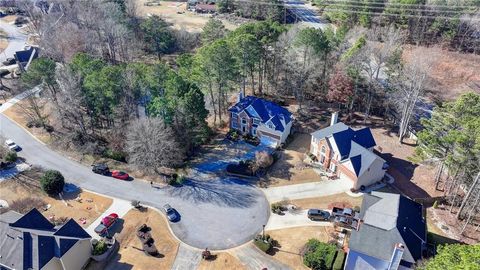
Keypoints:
pixel 292 241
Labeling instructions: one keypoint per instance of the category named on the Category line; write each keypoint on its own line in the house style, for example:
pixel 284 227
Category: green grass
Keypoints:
pixel 338 263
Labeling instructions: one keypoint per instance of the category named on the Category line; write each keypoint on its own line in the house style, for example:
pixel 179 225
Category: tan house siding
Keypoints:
pixel 77 256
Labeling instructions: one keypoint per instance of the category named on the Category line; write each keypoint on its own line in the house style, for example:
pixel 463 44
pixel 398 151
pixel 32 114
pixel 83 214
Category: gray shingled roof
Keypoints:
pixel 11 246
pixel 389 219
pixel 325 132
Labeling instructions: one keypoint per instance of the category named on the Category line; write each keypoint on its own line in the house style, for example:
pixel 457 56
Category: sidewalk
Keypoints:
pixel 307 190
pixel 255 259
pixel 5 106
pixel 293 218
pixel 119 206
pixel 187 258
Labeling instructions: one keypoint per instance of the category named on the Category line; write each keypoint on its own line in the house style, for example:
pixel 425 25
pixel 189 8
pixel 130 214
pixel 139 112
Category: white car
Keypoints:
pixel 12 145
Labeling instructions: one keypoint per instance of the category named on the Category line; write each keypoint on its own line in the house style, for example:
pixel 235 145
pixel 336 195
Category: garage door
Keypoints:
pixel 268 141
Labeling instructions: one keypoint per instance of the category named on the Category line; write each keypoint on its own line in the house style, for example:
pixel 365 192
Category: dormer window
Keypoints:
pixel 271 126
pixel 256 121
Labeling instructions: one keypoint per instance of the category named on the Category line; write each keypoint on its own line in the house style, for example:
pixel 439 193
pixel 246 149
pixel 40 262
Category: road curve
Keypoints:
pixel 218 214
pixel 16 40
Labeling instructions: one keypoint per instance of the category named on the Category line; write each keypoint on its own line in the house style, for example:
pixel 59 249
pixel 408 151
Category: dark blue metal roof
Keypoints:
pixel 411 226
pixel 27 251
pixel 356 163
pixel 33 220
pixel 24 56
pixel 343 140
pixel 72 229
pixel 364 137
pixel 46 249
pixel 265 109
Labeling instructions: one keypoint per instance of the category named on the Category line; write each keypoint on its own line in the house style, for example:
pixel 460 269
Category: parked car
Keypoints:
pixel 337 211
pixel 106 223
pixel 120 175
pixel 9 61
pixel 12 145
pixel 100 168
pixel 170 212
pixel 317 214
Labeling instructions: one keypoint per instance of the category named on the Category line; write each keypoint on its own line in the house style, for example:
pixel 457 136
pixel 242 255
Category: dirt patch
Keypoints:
pixel 224 260
pixel 444 223
pixel 290 168
pixel 130 253
pixel 327 202
pixel 293 239
pixel 18 113
pixel 453 73
pixel 9 18
pixel 84 207
pixel 176 13
pixel 3 40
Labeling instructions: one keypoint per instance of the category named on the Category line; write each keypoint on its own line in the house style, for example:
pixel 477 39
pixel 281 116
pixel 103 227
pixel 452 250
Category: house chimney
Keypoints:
pixel 240 96
pixel 396 256
pixel 334 119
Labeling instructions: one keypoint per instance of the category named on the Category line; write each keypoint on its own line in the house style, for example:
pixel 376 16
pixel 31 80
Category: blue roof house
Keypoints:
pixel 269 122
pixel 30 241
pixel 348 153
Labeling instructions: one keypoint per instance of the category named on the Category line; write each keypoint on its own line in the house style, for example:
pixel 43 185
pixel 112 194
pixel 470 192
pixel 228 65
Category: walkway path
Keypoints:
pixel 120 207
pixel 16 40
pixel 5 106
pixel 307 190
pixel 293 218
pixel 187 258
pixel 255 259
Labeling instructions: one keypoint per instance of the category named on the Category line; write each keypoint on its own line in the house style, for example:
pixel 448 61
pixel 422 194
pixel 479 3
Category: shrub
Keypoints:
pixel 49 128
pixel 356 208
pixel 435 204
pixel 338 264
pixel 24 205
pixel 262 245
pixel 52 182
pixel 319 255
pixel 115 155
pixel 99 248
pixel 11 156
pixel 263 159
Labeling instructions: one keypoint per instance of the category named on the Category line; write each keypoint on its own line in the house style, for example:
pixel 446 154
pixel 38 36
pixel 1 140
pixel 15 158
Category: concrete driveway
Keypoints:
pixel 217 213
pixel 16 40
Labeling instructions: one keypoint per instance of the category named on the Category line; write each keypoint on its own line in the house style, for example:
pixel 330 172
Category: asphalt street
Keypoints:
pixel 16 40
pixel 217 213
pixel 305 14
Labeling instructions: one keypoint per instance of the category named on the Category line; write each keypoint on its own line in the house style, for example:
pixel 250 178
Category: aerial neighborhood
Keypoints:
pixel 310 134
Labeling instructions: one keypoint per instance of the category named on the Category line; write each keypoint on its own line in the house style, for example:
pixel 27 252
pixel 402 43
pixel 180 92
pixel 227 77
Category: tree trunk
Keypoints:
pixel 470 214
pixel 438 175
pixel 465 200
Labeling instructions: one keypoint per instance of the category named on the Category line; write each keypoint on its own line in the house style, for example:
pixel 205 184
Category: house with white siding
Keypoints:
pixel 348 153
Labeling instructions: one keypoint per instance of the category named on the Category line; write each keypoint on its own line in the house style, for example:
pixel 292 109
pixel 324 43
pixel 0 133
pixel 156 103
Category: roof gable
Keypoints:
pixel 343 140
pixel 364 137
pixel 33 220
pixel 72 229
pixel 357 164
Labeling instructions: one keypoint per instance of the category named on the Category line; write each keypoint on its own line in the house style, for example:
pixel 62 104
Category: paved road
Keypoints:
pixel 218 213
pixel 16 40
pixel 305 14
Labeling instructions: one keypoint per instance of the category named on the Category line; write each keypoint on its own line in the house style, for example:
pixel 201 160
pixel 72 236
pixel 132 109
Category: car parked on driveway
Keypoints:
pixel 120 175
pixel 170 212
pixel 12 145
pixel 100 168
pixel 317 214
pixel 106 223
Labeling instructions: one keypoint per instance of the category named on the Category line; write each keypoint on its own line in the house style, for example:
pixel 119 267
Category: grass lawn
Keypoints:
pixel 290 169
pixel 18 114
pixel 90 206
pixel 324 202
pixel 130 254
pixel 223 261
pixel 292 240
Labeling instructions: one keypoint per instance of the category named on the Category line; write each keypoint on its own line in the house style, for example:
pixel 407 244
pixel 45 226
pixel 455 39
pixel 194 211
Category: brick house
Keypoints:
pixel 260 118
pixel 348 153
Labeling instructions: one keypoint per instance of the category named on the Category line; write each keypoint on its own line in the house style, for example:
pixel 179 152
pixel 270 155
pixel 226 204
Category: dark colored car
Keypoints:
pixel 9 61
pixel 317 214
pixel 170 212
pixel 120 175
pixel 100 169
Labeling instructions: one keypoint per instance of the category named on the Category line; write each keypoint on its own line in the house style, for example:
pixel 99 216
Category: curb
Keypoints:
pixel 26 130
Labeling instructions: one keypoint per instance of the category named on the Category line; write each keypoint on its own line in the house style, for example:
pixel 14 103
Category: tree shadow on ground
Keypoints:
pixel 225 192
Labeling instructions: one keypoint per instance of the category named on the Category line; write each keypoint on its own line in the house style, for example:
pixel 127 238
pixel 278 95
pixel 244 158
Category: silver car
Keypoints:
pixel 12 145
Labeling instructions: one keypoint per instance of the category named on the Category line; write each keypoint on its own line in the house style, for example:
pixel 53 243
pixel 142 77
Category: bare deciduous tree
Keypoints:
pixel 151 145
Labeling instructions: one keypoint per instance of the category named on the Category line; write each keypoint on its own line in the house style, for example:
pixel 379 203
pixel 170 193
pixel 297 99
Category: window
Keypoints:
pixel 271 126
pixel 254 131
pixel 322 154
pixel 333 167
pixel 256 121
pixel 323 149
pixel 244 121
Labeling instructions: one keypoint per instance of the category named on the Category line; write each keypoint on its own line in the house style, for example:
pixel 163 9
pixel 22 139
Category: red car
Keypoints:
pixel 107 222
pixel 120 175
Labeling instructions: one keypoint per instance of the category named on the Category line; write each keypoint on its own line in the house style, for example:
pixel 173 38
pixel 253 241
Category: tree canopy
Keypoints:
pixel 456 256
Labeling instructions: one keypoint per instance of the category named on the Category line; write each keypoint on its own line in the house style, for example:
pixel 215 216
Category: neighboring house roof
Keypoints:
pixel 351 145
pixel 31 241
pixel 389 219
pixel 24 56
pixel 264 110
